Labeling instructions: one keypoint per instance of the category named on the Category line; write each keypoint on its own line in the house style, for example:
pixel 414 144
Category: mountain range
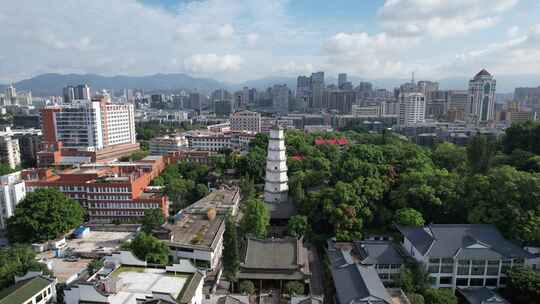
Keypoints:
pixel 52 84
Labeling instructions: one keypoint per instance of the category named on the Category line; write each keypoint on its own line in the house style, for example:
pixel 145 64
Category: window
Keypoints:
pixel 445 280
pixel 462 282
pixel 502 281
pixel 433 269
pixel 477 282
pixel 434 261
pixel 491 282
pixel 447 269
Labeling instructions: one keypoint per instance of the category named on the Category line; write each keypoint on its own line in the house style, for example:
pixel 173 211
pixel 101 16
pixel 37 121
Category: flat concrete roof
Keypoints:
pixel 195 230
pixel 138 282
pixel 99 241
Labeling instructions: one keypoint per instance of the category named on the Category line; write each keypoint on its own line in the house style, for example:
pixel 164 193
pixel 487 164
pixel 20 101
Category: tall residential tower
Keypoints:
pixel 276 188
pixel 482 97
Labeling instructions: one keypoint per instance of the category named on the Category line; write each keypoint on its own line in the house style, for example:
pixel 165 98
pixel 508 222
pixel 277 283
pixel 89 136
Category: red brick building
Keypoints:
pixel 116 191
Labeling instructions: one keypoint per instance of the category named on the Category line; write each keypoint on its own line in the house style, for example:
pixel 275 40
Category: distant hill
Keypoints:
pixel 52 84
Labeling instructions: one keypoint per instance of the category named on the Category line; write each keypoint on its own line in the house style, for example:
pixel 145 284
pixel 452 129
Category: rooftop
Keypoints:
pixel 223 200
pixel 275 259
pixel 464 240
pixel 481 296
pixel 24 290
pixel 195 231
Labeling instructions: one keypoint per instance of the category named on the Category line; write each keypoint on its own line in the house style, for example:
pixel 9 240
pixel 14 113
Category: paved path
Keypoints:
pixel 315 265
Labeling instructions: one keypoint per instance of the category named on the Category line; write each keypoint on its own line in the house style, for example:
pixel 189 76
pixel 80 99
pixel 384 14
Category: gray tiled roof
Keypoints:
pixel 378 252
pixel 359 284
pixel 481 296
pixel 449 240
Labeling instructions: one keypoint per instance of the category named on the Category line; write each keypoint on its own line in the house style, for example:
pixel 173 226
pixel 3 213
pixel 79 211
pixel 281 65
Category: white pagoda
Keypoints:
pixel 275 187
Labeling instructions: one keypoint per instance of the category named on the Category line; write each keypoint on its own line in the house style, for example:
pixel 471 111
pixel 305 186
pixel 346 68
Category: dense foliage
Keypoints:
pixel 17 260
pixel 153 218
pixel 523 286
pixel 256 218
pixel 149 249
pixel 440 296
pixel 184 183
pixel 294 288
pixel 43 215
pixel 376 181
pixel 247 287
pixel 231 256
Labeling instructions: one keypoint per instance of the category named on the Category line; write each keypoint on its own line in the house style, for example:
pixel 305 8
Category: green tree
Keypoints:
pixel 94 266
pixel 481 154
pixel 507 198
pixel 523 286
pixel 247 287
pixel 440 296
pixel 43 215
pixel 150 249
pixel 298 225
pixel 449 156
pixel 294 288
pixel 256 218
pixel 5 169
pixel 247 187
pixel 17 260
pixel 524 136
pixel 415 298
pixel 413 278
pixel 409 217
pixel 231 257
pixel 153 218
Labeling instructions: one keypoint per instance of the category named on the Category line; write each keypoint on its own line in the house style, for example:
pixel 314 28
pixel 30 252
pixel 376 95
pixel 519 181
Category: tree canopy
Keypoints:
pixel 231 256
pixel 153 218
pixel 149 249
pixel 256 218
pixel 43 215
pixel 17 260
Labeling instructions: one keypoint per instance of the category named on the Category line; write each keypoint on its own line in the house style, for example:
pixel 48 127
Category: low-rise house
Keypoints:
pixel 125 279
pixel 357 283
pixel 480 296
pixel 32 288
pixel 271 263
pixel 385 256
pixel 463 255
pixel 195 237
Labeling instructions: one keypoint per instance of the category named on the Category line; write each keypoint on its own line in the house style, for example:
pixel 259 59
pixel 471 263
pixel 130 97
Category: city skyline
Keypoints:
pixel 247 39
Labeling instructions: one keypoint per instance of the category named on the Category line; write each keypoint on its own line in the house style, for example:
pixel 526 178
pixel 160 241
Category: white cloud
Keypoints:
pixel 513 31
pixel 252 39
pixel 294 68
pixel 368 55
pixel 208 63
pixel 441 18
pixel 128 37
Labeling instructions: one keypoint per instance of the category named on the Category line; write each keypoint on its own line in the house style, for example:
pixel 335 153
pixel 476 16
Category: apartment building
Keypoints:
pixel 165 144
pixel 12 191
pixel 97 126
pixel 246 121
pixel 205 140
pixel 463 255
pixel 9 151
pixel 108 192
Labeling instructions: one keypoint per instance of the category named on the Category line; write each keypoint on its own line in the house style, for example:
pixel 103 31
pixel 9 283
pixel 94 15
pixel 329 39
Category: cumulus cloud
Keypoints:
pixel 440 19
pixel 368 55
pixel 207 63
pixel 128 37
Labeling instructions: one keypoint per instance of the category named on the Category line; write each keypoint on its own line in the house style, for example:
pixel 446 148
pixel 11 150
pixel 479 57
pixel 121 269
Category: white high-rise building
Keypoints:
pixel 482 97
pixel 91 125
pixel 12 191
pixel 412 108
pixel 276 188
pixel 10 153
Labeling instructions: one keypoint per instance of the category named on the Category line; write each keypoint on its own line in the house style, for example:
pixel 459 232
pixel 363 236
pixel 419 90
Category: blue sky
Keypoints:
pixel 237 40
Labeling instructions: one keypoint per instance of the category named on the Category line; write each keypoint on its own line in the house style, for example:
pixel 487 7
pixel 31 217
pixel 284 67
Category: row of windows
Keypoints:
pixel 93 189
pixel 473 282
pixel 111 205
pixel 117 213
pixel 387 266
